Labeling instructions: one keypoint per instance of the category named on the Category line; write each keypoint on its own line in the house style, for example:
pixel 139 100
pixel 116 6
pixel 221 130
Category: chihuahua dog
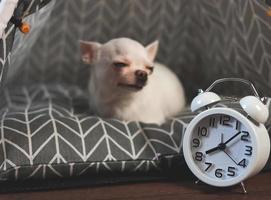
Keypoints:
pixel 126 84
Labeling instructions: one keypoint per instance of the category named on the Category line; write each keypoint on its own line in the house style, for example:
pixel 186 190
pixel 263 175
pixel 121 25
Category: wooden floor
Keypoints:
pixel 259 187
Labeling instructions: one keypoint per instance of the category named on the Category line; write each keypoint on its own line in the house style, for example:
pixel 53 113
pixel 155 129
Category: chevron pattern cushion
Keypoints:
pixel 46 128
pixel 47 132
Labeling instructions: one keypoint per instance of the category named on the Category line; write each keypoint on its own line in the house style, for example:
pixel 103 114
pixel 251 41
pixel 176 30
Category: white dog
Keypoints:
pixel 126 84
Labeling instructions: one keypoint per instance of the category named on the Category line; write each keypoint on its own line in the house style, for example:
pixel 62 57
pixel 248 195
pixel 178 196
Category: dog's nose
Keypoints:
pixel 141 75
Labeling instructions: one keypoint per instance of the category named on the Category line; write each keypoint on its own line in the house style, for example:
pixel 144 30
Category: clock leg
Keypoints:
pixel 197 181
pixel 243 187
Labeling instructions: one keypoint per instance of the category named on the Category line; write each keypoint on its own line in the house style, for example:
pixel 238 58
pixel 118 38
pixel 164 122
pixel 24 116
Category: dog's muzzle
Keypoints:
pixel 131 86
pixel 141 77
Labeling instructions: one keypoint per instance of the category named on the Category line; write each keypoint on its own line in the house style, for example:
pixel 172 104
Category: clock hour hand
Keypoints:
pixel 218 147
pixel 221 146
pixel 212 150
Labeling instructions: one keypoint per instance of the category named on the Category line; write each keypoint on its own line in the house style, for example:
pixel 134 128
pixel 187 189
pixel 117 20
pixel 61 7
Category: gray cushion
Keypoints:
pixel 47 131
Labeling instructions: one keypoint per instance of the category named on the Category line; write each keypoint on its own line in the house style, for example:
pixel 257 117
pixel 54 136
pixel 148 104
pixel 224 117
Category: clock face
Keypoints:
pixel 221 147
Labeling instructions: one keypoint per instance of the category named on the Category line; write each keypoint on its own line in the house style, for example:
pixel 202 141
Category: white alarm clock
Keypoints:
pixel 223 147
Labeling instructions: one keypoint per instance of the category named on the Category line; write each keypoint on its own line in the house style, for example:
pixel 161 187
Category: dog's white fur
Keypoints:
pixel 160 98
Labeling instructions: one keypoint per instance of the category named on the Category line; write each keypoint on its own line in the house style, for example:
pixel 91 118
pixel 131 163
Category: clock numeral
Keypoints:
pixel 248 150
pixel 237 125
pixel 196 142
pixel 203 131
pixel 212 122
pixel 231 171
pixel 244 136
pixel 224 120
pixel 209 165
pixel 242 163
pixel 198 156
pixel 218 173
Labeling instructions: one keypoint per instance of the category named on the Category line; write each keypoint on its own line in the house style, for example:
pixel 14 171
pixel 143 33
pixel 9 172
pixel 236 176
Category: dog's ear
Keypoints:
pixel 88 51
pixel 152 49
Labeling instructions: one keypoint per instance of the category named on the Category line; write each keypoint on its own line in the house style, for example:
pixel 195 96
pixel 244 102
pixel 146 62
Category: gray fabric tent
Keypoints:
pixel 46 128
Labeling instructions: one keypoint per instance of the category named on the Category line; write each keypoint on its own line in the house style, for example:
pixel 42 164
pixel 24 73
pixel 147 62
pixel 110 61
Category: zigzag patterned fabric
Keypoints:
pixel 200 40
pixel 46 128
pixel 6 42
pixel 47 131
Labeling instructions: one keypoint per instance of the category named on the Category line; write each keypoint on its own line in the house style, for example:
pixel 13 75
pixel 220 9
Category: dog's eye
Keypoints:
pixel 150 68
pixel 120 64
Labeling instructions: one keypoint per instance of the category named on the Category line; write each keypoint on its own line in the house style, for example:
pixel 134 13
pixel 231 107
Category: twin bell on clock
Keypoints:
pixel 222 146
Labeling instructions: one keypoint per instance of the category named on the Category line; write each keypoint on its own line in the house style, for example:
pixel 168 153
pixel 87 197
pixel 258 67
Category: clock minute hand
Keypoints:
pixel 232 138
pixel 222 145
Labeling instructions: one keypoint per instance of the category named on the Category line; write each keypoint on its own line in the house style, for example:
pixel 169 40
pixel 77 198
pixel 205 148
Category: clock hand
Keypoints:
pixel 220 146
pixel 230 157
pixel 232 138
pixel 212 150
